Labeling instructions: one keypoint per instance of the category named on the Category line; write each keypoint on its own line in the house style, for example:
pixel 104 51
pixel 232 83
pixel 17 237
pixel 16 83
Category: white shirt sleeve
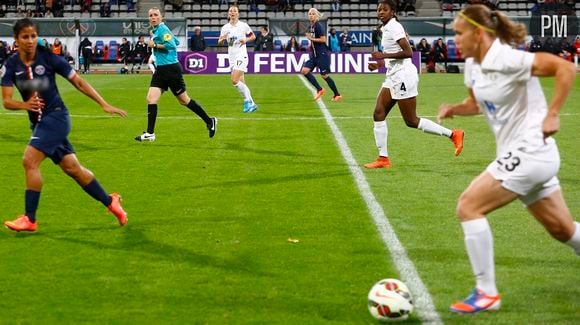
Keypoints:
pixel 248 30
pixel 519 64
pixel 397 31
pixel 467 78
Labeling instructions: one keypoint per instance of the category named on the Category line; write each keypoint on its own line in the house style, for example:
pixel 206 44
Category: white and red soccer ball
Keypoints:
pixel 390 300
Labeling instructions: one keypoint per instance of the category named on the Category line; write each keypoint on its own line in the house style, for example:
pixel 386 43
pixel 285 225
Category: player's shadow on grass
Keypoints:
pixel 268 180
pixel 246 149
pixel 135 242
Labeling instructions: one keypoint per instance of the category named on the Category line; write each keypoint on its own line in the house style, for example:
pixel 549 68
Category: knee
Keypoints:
pixel 305 71
pixel 29 164
pixel 412 123
pixel 151 100
pixel 465 210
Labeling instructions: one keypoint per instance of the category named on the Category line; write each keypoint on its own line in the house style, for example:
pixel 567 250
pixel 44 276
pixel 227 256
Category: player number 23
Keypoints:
pixel 509 162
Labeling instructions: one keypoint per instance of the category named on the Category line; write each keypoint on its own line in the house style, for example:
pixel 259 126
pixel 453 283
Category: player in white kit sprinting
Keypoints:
pixel 502 84
pixel 237 33
pixel 400 86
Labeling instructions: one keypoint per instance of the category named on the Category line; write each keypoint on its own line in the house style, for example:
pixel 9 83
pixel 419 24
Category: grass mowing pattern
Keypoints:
pixel 209 220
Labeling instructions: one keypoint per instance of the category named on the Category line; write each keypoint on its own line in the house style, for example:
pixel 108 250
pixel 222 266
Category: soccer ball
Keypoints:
pixel 390 301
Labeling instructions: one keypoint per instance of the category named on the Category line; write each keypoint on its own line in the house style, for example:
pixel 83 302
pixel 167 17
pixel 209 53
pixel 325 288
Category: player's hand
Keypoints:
pixel 551 125
pixel 377 55
pixel 113 110
pixel 151 43
pixel 34 103
pixel 445 111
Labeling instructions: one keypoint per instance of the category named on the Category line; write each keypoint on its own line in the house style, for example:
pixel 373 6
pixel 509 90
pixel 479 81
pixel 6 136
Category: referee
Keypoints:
pixel 168 75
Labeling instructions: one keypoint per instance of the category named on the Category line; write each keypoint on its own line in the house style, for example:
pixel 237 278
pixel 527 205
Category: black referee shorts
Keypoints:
pixel 169 76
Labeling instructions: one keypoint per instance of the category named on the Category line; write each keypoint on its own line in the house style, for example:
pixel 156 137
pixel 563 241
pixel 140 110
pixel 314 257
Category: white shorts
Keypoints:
pixel 403 82
pixel 531 175
pixel 239 62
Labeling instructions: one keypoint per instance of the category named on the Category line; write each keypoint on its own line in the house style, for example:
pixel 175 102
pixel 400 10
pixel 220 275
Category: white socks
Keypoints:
pixel 574 242
pixel 431 127
pixel 244 91
pixel 381 133
pixel 479 244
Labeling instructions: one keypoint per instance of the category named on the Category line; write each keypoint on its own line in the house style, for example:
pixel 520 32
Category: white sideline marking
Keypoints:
pixel 423 302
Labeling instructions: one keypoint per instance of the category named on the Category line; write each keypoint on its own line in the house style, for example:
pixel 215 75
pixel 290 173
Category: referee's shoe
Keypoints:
pixel 212 126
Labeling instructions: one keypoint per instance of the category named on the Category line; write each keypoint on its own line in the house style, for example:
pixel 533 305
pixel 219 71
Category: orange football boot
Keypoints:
pixel 381 162
pixel 117 209
pixel 319 94
pixel 336 98
pixel 457 138
pixel 23 223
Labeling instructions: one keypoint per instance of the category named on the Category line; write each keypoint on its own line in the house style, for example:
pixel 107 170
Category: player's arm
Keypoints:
pixel 34 103
pixel 321 39
pixel 249 38
pixel 406 52
pixel 467 107
pixel 565 72
pixel 85 88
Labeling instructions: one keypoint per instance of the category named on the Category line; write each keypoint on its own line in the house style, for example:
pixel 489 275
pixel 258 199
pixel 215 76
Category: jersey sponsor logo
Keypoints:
pixel 167 37
pixel 40 70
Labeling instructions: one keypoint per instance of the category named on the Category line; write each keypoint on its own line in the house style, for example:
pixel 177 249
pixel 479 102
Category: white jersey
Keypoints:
pixel 392 32
pixel 234 34
pixel 512 100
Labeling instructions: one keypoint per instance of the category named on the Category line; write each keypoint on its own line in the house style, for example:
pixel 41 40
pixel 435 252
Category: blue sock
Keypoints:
pixel 332 86
pixel 313 81
pixel 97 192
pixel 31 199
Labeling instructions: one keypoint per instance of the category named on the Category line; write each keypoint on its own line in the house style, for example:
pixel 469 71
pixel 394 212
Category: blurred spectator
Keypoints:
pixel 3 53
pixel 86 50
pixel 57 8
pixel 86 5
pixel 57 47
pixel 45 43
pixel 47 6
pixel 536 45
pixel 576 46
pixel 48 14
pixel 125 53
pixel 264 40
pixel 335 5
pixel 197 40
pixel 440 51
pixel 565 49
pixel 425 48
pixel 345 41
pixel 292 45
pixel 105 9
pixel 14 47
pixel 411 43
pixel 548 45
pixel 141 53
pixel 333 42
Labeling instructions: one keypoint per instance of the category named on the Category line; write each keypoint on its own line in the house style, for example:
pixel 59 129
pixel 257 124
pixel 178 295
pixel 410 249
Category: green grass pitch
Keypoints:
pixel 209 219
